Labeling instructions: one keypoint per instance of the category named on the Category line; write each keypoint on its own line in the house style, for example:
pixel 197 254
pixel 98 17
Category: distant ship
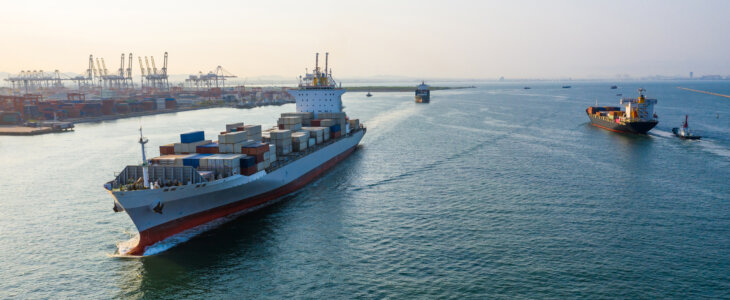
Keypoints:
pixel 684 132
pixel 613 87
pixel 527 87
pixel 637 117
pixel 423 94
pixel 368 94
pixel 566 86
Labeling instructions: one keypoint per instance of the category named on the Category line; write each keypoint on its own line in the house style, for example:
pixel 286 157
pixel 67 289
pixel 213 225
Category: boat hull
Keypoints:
pixel 194 205
pixel 630 127
pixel 423 99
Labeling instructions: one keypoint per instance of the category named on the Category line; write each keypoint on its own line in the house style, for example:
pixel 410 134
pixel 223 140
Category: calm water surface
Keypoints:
pixel 494 192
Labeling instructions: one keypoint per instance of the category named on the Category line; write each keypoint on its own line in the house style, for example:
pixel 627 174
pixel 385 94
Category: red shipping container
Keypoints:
pixel 167 149
pixel 259 158
pixel 316 123
pixel 281 126
pixel 240 128
pixel 206 150
pixel 335 135
pixel 255 151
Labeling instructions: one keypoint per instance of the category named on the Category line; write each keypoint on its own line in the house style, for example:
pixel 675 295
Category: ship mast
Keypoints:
pixel 145 172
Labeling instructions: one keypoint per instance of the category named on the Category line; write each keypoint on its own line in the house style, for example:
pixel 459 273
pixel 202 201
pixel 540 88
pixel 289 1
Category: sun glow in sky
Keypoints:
pixel 436 39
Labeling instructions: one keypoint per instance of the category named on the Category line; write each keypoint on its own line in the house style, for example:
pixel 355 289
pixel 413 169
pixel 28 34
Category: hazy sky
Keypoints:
pixel 422 39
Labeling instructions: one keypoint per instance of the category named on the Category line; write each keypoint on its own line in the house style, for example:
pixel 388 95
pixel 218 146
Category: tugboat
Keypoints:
pixel 423 94
pixel 613 87
pixel 637 117
pixel 684 132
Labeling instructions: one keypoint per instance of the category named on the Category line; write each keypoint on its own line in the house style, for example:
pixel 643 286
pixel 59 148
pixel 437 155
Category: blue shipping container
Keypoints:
pixel 192 137
pixel 211 145
pixel 248 161
pixel 194 161
pixel 335 128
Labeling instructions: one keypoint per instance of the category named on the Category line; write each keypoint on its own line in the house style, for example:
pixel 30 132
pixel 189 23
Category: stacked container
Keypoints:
pixel 174 160
pixel 283 141
pixel 300 140
pixel 338 117
pixel 254 132
pixel 291 123
pixel 305 116
pixel 335 131
pixel 248 165
pixel 167 149
pixel 317 133
pixel 232 142
pixel 354 124
pixel 233 127
pixel 190 141
pixel 211 148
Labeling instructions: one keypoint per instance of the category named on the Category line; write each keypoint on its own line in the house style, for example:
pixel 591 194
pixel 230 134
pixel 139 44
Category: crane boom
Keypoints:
pixel 154 68
pixel 164 65
pixel 141 66
pixel 91 72
pixel 104 65
pixel 147 62
pixel 129 68
pixel 98 67
pixel 121 67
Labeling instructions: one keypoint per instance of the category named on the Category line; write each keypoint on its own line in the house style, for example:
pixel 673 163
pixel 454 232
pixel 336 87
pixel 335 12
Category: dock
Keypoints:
pixel 703 92
pixel 24 130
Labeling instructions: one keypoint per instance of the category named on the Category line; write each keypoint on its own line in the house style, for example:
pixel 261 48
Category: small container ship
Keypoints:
pixel 197 181
pixel 423 93
pixel 635 116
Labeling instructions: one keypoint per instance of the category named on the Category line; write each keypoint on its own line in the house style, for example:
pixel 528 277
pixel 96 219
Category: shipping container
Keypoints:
pixel 167 149
pixel 229 127
pixel 247 161
pixel 192 137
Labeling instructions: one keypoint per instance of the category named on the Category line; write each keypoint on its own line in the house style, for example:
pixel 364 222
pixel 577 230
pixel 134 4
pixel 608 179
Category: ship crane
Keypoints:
pixel 147 63
pixel 129 72
pixel 154 68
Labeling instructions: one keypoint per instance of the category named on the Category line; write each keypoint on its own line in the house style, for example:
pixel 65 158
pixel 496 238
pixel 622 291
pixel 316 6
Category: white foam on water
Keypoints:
pixel 714 148
pixel 661 133
pixel 393 116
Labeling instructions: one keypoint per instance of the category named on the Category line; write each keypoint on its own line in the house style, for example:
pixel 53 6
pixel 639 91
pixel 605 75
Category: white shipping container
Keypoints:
pixel 229 127
pixel 280 134
pixel 312 142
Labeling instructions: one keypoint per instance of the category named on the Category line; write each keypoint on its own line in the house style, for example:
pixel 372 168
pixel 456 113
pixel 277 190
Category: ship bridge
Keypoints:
pixel 318 92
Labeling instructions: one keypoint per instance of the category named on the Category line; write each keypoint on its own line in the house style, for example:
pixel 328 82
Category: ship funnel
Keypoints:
pixel 316 63
pixel 326 60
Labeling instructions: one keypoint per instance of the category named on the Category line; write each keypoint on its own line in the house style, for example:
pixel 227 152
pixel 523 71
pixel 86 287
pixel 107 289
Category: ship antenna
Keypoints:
pixel 143 141
pixel 326 61
pixel 316 63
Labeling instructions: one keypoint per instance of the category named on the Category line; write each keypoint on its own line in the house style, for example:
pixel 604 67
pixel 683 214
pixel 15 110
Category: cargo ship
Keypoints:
pixel 423 93
pixel 197 181
pixel 635 116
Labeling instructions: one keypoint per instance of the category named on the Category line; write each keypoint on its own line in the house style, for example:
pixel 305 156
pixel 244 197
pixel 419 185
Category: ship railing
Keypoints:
pixel 131 177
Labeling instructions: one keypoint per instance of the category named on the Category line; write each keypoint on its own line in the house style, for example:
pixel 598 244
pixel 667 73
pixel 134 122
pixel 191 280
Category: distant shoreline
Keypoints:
pixel 399 88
